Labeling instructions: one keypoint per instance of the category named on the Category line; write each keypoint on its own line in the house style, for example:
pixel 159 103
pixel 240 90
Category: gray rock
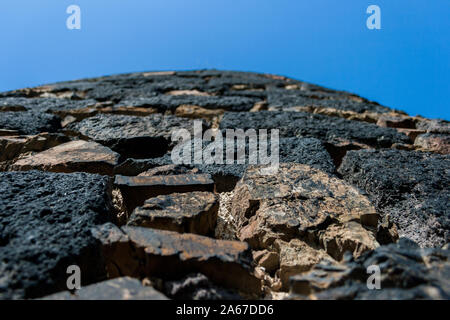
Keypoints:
pixel 198 287
pixel 132 136
pixel 412 187
pixel 327 129
pixel 50 105
pixel 191 212
pixel 280 98
pixel 309 151
pixel 406 272
pixel 29 122
pixel 44 228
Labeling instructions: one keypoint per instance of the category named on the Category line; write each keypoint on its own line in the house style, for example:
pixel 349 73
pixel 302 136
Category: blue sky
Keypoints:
pixel 405 65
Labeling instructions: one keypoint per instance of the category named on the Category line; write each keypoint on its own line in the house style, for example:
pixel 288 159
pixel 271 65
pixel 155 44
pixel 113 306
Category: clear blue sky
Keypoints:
pixel 405 65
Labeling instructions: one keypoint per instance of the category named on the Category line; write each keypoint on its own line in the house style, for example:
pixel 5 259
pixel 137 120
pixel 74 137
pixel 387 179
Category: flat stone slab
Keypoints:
pixel 172 102
pixel 197 286
pixel 412 187
pixel 308 151
pixel 72 156
pixel 124 288
pixel 58 106
pixel 13 146
pixel 328 129
pixel 434 125
pixel 169 255
pixel 406 273
pixel 192 212
pixel 29 123
pixel 136 190
pixel 44 228
pixel 284 99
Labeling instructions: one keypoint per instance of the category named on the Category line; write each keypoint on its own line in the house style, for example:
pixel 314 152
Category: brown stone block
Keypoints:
pixel 192 212
pixel 136 190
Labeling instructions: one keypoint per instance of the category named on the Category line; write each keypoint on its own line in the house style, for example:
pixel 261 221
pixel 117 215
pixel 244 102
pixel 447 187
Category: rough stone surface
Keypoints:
pixel 434 125
pixel 412 187
pixel 354 176
pixel 434 142
pixel 29 122
pixel 44 228
pixel 44 104
pixel 280 99
pixel 406 272
pixel 11 146
pixel 309 151
pixel 198 287
pixel 72 156
pixel 136 190
pixel 132 136
pixel 117 252
pixel 171 254
pixel 168 170
pixel 328 129
pixel 124 288
pixel 313 209
pixel 192 212
pixel 294 150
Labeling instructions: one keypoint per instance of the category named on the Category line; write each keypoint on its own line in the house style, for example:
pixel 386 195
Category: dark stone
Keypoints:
pixel 124 288
pixel 328 129
pixel 306 213
pixel 133 167
pixel 434 126
pixel 309 151
pixel 44 227
pixel 29 122
pixel 197 287
pixel 132 136
pixel 191 212
pixel 12 146
pixel 49 105
pixel 406 272
pixel 136 190
pixel 302 214
pixel 73 156
pixel 171 102
pixel 170 255
pixel 412 187
pixel 281 98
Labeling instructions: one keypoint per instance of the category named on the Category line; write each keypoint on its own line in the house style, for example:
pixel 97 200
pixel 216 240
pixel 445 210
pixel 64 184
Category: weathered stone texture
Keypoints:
pixel 95 185
pixel 44 227
pixel 302 211
pixel 132 136
pixel 328 129
pixel 73 156
pixel 124 288
pixel 412 187
pixel 12 146
pixel 137 189
pixel 29 122
pixel 192 212
pixel 198 287
pixel 170 254
pixel 406 272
